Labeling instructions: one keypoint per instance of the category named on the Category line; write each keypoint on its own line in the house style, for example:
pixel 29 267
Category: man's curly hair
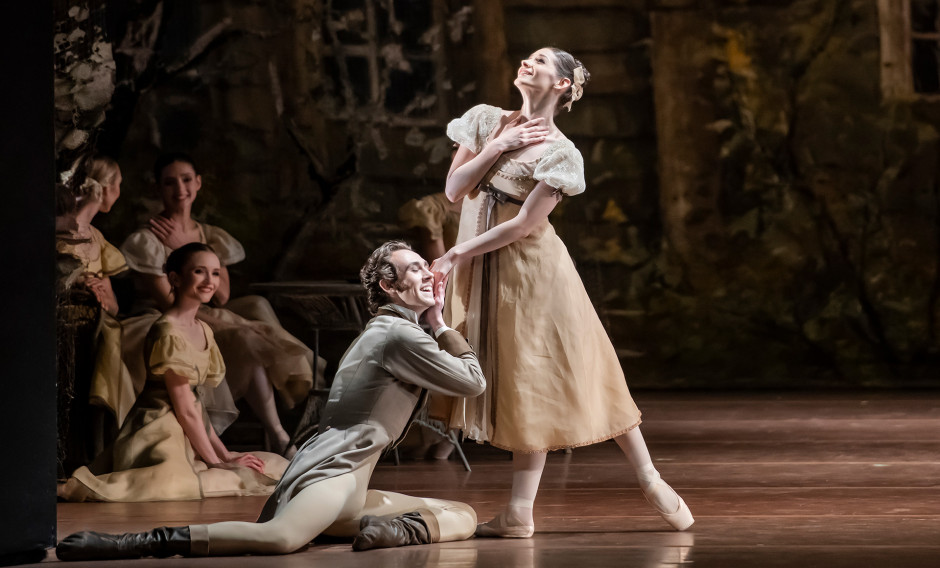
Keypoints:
pixel 379 267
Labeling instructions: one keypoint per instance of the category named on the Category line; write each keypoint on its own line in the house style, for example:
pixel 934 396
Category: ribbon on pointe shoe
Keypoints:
pixel 681 518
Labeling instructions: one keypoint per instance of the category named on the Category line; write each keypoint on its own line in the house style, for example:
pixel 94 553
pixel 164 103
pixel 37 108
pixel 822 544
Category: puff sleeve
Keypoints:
pixel 144 252
pixel 170 352
pixel 427 213
pixel 471 129
pixel 112 261
pixel 225 245
pixel 562 167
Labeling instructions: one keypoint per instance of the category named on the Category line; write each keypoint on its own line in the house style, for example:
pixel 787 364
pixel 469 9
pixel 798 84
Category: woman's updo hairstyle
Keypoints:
pixel 178 258
pixel 164 160
pixel 102 169
pixel 566 66
pixel 71 197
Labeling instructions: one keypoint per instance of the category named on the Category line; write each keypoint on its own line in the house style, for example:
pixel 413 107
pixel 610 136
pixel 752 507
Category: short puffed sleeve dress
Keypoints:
pixel 553 377
pixel 152 459
pixel 247 329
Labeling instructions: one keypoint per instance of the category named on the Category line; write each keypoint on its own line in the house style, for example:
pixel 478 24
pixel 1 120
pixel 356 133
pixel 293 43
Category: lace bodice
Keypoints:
pixel 560 165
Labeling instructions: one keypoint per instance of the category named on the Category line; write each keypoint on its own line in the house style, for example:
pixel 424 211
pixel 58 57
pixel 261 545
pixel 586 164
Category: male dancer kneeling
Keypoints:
pixel 381 382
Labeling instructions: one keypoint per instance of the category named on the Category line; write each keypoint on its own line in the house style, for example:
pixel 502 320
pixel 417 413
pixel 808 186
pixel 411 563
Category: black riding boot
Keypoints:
pixel 381 532
pixel 161 543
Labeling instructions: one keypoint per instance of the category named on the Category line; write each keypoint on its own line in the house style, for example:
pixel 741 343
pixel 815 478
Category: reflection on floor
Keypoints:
pixel 773 479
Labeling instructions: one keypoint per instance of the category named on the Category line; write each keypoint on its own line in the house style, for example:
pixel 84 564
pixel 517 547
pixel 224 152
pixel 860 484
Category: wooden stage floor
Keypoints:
pixel 829 479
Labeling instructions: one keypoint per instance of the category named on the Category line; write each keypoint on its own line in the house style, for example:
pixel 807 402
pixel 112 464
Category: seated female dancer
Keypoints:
pixel 75 234
pixel 87 306
pixel 258 352
pixel 166 449
pixel 382 381
pixel 554 379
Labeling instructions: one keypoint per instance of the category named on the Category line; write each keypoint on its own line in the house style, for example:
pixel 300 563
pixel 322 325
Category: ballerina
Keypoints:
pixel 554 379
pixel 166 448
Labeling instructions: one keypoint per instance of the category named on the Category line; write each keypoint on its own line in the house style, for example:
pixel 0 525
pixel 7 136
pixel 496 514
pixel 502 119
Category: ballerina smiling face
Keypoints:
pixel 199 277
pixel 552 70
pixel 179 183
pixel 537 71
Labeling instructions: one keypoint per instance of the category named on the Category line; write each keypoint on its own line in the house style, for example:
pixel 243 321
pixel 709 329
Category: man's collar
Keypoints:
pixel 402 311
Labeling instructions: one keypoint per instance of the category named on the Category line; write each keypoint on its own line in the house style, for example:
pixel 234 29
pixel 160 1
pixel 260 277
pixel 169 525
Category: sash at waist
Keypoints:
pixel 499 195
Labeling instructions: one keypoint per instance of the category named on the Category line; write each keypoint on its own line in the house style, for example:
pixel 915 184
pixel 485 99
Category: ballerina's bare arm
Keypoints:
pixel 212 451
pixel 539 203
pixel 237 458
pixel 189 417
pixel 468 168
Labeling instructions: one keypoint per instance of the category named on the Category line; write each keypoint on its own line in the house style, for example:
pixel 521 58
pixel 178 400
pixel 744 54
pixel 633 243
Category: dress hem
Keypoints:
pixel 564 446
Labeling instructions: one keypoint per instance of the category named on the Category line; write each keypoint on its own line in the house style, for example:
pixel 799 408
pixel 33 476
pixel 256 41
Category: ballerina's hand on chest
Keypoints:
pixel 522 135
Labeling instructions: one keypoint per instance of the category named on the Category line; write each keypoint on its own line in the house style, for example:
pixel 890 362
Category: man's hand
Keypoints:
pixel 435 314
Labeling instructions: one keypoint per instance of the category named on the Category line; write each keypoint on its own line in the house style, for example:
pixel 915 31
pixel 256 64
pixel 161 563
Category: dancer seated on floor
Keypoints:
pixel 382 381
pixel 90 336
pixel 259 354
pixel 167 449
pixel 554 378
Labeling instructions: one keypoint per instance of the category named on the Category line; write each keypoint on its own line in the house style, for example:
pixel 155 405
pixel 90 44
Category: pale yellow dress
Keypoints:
pixel 111 386
pixel 152 459
pixel 247 330
pixel 553 378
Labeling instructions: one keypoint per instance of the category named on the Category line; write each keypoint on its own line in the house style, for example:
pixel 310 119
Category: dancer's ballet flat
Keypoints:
pixel 499 527
pixel 681 518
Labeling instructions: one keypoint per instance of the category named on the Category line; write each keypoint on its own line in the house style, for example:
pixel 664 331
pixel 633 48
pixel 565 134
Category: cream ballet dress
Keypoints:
pixel 110 384
pixel 553 378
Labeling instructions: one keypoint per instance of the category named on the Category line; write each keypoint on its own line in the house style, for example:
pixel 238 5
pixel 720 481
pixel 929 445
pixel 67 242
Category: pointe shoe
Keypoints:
pixel 681 518
pixel 499 527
